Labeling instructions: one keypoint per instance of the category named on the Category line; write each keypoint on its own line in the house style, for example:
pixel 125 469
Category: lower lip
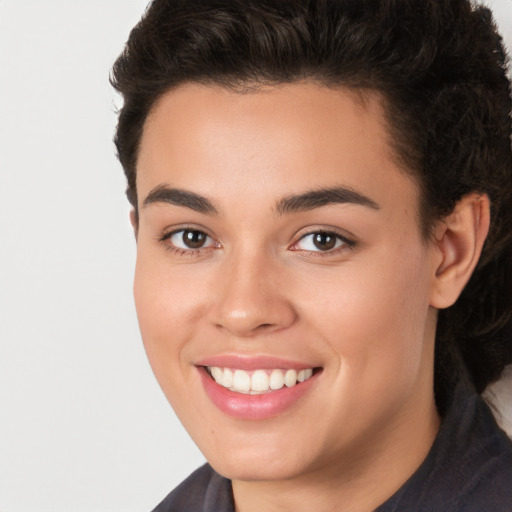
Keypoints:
pixel 254 407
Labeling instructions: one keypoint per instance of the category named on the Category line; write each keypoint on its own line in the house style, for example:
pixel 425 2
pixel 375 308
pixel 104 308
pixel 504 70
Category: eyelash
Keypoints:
pixel 181 251
pixel 342 242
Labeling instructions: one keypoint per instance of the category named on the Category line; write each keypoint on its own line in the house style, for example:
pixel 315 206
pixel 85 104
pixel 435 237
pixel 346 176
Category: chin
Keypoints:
pixel 268 460
pixel 256 470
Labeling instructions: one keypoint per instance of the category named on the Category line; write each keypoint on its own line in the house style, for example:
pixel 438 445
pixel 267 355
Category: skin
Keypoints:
pixel 364 312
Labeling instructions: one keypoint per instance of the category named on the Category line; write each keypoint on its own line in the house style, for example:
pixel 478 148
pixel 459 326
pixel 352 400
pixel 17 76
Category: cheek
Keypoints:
pixel 373 313
pixel 166 306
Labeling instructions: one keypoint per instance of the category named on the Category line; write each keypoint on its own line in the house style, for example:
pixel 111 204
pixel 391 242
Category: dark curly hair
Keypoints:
pixel 439 66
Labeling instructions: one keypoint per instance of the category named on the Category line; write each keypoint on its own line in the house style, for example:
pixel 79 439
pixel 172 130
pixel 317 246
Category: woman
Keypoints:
pixel 321 198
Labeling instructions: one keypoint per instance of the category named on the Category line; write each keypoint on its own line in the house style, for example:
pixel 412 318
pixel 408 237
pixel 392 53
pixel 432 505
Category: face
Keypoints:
pixel 282 283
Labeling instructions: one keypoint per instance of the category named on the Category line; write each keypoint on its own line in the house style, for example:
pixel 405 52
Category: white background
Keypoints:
pixel 83 424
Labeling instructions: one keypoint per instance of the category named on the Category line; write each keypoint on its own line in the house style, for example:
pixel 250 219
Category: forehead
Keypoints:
pixel 283 139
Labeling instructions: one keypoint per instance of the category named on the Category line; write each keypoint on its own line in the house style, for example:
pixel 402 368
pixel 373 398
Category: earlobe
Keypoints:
pixel 458 243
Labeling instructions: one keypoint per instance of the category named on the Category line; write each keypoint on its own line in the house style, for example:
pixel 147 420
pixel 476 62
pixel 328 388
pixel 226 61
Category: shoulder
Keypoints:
pixel 486 466
pixel 490 487
pixel 469 468
pixel 203 491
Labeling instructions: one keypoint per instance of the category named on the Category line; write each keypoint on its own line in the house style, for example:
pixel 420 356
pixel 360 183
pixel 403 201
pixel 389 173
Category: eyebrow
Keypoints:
pixel 178 197
pixel 294 203
pixel 323 197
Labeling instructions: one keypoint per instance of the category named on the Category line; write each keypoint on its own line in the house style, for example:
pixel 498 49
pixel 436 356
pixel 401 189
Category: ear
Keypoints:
pixel 458 243
pixel 134 222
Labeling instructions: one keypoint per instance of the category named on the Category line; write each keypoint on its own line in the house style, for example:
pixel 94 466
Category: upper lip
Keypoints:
pixel 250 363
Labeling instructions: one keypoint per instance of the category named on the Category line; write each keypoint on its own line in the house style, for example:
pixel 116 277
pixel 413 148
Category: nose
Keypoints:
pixel 252 298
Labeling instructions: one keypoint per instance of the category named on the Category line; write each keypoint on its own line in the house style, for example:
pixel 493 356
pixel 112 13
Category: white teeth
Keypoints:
pixel 304 374
pixel 259 381
pixel 227 379
pixel 217 374
pixel 290 378
pixel 241 381
pixel 276 379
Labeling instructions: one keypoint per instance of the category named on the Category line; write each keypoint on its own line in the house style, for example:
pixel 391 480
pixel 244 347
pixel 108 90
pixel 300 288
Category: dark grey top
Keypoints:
pixel 468 469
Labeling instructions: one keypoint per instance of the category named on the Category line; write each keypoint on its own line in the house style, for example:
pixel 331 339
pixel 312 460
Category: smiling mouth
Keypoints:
pixel 258 382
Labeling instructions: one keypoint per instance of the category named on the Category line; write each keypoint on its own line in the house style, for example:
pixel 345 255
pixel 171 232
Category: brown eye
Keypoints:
pixel 190 239
pixel 324 241
pixel 194 239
